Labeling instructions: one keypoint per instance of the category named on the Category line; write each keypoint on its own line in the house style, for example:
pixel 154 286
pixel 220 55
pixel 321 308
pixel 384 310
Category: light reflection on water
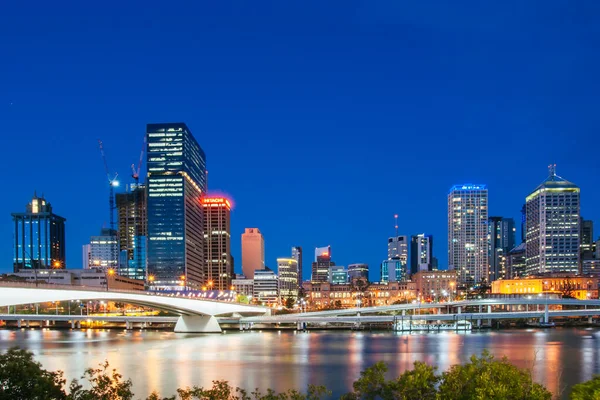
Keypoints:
pixel 163 361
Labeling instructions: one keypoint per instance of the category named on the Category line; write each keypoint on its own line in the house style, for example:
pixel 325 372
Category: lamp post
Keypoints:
pixel 109 272
pixel 182 277
pixel 150 281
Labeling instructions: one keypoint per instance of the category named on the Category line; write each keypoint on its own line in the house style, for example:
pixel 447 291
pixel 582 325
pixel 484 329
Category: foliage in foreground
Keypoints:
pixel 485 377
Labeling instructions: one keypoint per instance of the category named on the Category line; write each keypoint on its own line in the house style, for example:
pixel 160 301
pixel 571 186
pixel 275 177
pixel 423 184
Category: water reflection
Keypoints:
pixel 163 361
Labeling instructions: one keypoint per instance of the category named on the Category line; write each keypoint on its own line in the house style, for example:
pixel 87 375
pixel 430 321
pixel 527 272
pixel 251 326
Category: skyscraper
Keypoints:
pixel 287 268
pixel 501 234
pixel 253 252
pixel 217 234
pixel 553 227
pixel 39 238
pixel 393 271
pixel 104 249
pixel 358 271
pixel 586 237
pixel 467 232
pixel 297 255
pixel 176 183
pixel 398 248
pixel 421 253
pixel 338 275
pixel 132 217
pixel 320 268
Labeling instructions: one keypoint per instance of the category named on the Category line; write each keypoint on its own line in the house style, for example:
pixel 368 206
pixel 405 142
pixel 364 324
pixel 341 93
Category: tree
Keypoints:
pixel 359 288
pixel 22 378
pixel 290 302
pixel 417 384
pixel 488 378
pixel 567 289
pixel 589 390
pixel 104 384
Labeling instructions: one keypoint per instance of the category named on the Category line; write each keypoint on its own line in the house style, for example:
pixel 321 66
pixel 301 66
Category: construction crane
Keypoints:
pixel 112 183
pixel 135 173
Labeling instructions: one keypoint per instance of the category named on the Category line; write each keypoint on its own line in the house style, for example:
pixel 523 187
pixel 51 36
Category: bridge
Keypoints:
pixel 195 314
pixel 532 307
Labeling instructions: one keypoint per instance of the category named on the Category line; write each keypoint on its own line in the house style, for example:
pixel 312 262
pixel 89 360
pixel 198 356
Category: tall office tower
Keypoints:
pixel 176 182
pixel 297 255
pixel 393 271
pixel 398 248
pixel 467 233
pixel 553 227
pixel 217 234
pixel 421 253
pixel 516 262
pixel 287 269
pixel 253 252
pixel 39 238
pixel 358 271
pixel 501 234
pixel 320 268
pixel 523 223
pixel 586 235
pixel 322 251
pixel 104 249
pixel 132 216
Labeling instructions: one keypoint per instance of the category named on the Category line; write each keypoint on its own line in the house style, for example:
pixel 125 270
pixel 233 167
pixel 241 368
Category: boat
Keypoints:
pixel 408 325
pixel 541 324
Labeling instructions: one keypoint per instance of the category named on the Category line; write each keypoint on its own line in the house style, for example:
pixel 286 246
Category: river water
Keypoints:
pixel 163 361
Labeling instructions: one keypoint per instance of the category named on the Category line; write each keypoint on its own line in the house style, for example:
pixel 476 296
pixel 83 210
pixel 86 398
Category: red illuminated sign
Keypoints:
pixel 215 202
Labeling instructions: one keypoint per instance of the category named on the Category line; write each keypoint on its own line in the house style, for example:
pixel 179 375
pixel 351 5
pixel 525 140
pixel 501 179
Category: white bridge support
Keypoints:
pixel 197 324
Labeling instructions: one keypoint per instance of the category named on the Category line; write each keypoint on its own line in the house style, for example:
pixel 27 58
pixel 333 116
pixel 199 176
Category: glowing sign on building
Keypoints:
pixel 215 202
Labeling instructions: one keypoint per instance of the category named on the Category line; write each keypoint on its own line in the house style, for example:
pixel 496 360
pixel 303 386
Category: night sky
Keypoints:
pixel 321 120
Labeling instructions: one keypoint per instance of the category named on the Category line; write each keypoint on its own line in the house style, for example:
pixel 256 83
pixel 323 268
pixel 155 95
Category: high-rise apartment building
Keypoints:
pixel 217 235
pixel 553 227
pixel 287 269
pixel 104 250
pixel 297 255
pixel 132 217
pixel 421 253
pixel 253 252
pixel 467 233
pixel 501 240
pixel 358 271
pixel 320 268
pixel 176 182
pixel 39 237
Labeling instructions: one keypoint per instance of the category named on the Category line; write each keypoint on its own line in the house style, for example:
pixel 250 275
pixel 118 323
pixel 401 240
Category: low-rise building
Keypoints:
pixel 243 285
pixel 321 295
pixel 94 277
pixel 435 285
pixel 579 287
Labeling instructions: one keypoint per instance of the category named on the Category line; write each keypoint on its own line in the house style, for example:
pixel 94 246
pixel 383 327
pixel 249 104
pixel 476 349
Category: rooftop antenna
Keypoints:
pixel 396 226
pixel 552 169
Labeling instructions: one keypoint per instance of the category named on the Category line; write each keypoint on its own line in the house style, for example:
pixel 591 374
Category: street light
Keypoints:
pixel 109 272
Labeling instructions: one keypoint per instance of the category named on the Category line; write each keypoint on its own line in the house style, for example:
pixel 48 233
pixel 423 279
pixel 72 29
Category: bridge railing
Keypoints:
pixel 75 288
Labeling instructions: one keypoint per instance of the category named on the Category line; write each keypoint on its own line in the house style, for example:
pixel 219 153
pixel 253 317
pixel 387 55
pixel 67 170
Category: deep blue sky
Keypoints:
pixel 321 120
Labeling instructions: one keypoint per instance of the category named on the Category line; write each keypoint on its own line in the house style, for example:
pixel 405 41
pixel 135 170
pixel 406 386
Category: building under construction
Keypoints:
pixel 131 213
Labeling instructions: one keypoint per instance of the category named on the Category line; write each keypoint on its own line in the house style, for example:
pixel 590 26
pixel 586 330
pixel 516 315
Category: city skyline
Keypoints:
pixel 280 103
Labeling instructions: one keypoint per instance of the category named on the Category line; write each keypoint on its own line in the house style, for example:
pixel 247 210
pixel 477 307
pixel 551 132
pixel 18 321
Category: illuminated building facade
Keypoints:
pixel 579 287
pixel 253 252
pixel 553 227
pixel 516 262
pixel 266 286
pixel 338 275
pixel 358 271
pixel 217 234
pixel 322 264
pixel 467 233
pixel 421 253
pixel 288 277
pixel 132 216
pixel 297 255
pixel 501 239
pixel 39 237
pixel 176 182
pixel 435 285
pixel 104 250
pixel 398 249
pixel 393 270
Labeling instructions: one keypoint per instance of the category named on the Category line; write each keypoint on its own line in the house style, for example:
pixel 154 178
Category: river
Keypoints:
pixel 163 361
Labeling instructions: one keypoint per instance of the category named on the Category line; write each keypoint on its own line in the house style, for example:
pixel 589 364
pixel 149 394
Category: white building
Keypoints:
pixel 266 286
pixel 93 277
pixel 104 250
pixel 86 256
pixel 287 269
pixel 242 285
pixel 552 227
pixel 467 232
